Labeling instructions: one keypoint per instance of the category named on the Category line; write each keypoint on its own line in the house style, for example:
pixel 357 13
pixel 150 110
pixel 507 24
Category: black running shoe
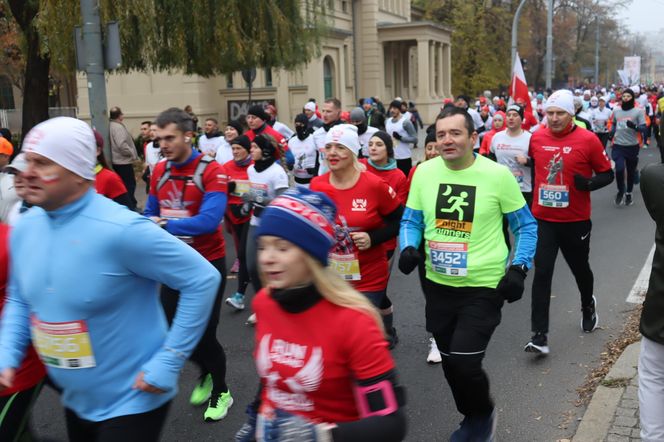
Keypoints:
pixel 589 320
pixel 619 199
pixel 538 344
pixel 628 199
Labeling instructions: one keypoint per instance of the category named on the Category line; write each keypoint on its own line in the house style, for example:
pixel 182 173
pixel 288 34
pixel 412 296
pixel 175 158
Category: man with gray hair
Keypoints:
pixel 123 153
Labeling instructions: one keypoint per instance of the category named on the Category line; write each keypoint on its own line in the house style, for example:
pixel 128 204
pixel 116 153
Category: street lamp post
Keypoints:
pixel 548 61
pixel 515 31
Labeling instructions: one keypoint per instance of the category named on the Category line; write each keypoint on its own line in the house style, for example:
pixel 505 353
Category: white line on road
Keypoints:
pixel 638 292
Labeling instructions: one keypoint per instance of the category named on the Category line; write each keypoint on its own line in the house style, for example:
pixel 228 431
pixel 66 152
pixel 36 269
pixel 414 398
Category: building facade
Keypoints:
pixel 374 48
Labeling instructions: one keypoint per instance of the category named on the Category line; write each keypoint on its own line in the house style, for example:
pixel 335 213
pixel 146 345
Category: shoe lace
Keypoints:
pixel 214 400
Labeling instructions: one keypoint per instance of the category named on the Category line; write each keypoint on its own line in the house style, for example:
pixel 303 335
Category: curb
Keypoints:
pixel 599 415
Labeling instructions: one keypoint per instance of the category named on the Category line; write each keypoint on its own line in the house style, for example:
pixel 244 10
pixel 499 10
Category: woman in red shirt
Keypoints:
pixel 107 182
pixel 16 401
pixel 325 370
pixel 370 213
pixel 237 222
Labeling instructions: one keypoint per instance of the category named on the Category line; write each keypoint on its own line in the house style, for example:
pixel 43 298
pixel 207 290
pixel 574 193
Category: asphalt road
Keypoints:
pixel 535 396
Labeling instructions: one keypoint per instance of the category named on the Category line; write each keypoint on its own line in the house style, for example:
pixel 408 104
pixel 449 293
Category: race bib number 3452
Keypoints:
pixel 63 344
pixel 449 258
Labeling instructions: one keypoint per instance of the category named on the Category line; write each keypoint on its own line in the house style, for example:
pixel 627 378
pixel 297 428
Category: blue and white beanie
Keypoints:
pixel 303 217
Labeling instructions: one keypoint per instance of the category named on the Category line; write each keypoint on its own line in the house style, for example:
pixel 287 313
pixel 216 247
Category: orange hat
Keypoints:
pixel 6 147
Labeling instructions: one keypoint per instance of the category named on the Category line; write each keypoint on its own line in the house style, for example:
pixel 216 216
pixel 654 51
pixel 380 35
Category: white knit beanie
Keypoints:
pixel 66 141
pixel 562 99
pixel 346 135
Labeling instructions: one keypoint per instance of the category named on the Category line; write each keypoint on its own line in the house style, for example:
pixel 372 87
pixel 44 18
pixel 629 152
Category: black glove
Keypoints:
pixel 246 209
pixel 630 124
pixel 409 259
pixel 396 135
pixel 231 186
pixel 511 286
pixel 581 183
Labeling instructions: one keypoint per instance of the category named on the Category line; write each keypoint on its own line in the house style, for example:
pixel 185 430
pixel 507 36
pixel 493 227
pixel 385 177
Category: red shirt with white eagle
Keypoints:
pixel 309 362
pixel 363 207
pixel 557 158
pixel 180 198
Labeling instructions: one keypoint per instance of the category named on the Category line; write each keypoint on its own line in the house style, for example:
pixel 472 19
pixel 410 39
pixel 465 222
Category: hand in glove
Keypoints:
pixel 231 186
pixel 396 135
pixel 246 209
pixel 409 259
pixel 511 286
pixel 630 124
pixel 247 197
pixel 581 183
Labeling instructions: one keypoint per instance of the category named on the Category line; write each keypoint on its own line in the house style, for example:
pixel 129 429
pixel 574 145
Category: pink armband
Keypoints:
pixel 387 391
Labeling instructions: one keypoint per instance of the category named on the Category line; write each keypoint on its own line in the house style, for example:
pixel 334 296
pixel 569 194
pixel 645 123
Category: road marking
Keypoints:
pixel 638 292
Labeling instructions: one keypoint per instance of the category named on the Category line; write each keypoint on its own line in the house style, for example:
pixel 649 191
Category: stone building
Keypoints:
pixel 374 48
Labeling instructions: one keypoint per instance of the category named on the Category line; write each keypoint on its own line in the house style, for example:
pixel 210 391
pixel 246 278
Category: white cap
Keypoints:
pixel 66 141
pixel 18 164
pixel 562 99
pixel 636 89
pixel 346 135
pixel 310 106
pixel 594 100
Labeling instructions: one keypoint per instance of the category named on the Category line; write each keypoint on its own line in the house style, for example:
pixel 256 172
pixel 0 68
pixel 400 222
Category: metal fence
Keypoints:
pixel 11 118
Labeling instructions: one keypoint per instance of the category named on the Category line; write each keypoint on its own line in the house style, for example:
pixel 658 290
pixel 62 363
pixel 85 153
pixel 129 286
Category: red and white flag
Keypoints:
pixel 519 91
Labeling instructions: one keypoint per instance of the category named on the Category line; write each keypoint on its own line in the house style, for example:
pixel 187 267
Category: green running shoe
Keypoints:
pixel 201 391
pixel 218 407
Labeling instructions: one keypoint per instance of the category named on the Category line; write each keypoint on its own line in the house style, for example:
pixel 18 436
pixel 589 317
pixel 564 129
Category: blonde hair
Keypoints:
pixel 337 291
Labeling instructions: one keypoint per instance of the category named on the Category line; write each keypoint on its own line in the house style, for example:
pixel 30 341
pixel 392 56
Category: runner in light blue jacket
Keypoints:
pixel 85 284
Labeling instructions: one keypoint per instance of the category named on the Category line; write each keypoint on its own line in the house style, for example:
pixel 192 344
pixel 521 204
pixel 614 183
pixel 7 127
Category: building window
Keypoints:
pixel 344 6
pixel 6 93
pixel 328 77
pixel 330 5
pixel 229 81
pixel 268 77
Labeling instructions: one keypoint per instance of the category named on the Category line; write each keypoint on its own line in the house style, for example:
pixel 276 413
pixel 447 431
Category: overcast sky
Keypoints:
pixel 644 16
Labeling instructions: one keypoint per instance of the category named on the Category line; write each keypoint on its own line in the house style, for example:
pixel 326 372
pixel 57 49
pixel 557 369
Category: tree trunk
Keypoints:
pixel 35 89
pixel 35 93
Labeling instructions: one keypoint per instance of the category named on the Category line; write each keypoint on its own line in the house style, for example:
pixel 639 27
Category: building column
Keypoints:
pixel 432 67
pixel 440 89
pixel 447 74
pixel 423 90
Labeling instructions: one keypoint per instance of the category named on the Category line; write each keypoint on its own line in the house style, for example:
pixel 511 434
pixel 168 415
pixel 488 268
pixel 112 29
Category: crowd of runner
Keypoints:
pixel 316 214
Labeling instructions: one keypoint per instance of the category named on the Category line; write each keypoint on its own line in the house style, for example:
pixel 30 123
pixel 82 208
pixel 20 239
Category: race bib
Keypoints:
pixel 63 344
pixel 241 187
pixel 347 265
pixel 449 258
pixel 555 196
pixel 259 192
pixel 178 214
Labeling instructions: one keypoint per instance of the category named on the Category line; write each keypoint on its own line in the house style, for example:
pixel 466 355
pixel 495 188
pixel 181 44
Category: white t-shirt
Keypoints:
pixel 152 155
pixel 8 195
pixel 402 151
pixel 599 118
pixel 506 148
pixel 364 140
pixel 263 185
pixel 283 129
pixel 304 152
pixel 477 122
pixel 224 153
pixel 209 146
pixel 319 140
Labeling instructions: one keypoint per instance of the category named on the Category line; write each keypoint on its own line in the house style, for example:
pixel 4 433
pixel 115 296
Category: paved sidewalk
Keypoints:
pixel 613 412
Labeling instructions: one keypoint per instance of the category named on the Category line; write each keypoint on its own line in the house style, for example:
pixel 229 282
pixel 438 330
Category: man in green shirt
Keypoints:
pixel 456 205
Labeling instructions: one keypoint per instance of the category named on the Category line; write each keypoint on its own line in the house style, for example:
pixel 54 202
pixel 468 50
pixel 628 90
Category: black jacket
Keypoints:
pixel 652 318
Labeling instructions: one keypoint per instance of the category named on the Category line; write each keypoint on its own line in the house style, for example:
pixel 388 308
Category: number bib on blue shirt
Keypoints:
pixel 554 196
pixel 449 258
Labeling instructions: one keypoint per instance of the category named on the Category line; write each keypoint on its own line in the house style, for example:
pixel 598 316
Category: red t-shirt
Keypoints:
pixel 31 370
pixel 309 362
pixel 180 198
pixel 238 174
pixel 109 184
pixel 269 130
pixel 398 182
pixel 363 206
pixel 557 159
